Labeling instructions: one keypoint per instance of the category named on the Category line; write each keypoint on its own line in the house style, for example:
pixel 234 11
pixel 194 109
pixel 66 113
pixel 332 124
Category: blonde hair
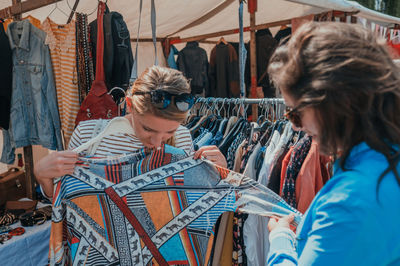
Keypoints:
pixel 153 78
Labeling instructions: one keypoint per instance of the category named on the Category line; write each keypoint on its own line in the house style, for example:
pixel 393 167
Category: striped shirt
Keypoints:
pixel 61 40
pixel 122 143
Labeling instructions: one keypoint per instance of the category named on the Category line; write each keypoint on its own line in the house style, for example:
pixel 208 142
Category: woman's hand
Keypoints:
pixel 213 154
pixel 285 221
pixel 54 165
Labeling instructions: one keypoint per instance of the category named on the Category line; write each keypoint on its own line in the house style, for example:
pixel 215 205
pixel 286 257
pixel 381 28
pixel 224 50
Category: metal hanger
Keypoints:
pixel 59 9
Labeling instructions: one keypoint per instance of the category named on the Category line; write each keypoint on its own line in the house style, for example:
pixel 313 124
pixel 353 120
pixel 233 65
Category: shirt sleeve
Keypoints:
pixel 336 232
pixel 282 249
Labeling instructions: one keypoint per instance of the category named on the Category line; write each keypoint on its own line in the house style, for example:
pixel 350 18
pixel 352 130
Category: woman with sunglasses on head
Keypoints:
pixel 158 103
pixel 343 89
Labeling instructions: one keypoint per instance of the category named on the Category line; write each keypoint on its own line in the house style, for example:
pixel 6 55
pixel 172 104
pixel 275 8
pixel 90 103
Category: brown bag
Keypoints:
pixel 98 103
pixel 12 185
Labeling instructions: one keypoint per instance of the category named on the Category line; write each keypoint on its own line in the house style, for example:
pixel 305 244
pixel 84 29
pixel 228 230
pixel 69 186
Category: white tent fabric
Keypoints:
pixel 172 15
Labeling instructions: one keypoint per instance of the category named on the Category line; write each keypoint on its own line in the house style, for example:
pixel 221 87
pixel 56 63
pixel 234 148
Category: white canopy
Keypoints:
pixel 173 15
pixel 203 17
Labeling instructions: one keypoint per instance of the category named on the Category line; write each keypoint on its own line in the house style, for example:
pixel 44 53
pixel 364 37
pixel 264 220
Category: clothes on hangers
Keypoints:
pixel 34 21
pixel 84 60
pixel 282 34
pixel 118 56
pixel 34 114
pixel 6 68
pixel 263 160
pixel 193 62
pixel 266 45
pixel 171 61
pixel 224 72
pixel 61 40
pixel 297 158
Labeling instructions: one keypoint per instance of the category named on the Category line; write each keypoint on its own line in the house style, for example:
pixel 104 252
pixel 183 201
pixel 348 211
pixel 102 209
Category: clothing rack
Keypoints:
pixel 271 106
pixel 241 101
pixel 15 11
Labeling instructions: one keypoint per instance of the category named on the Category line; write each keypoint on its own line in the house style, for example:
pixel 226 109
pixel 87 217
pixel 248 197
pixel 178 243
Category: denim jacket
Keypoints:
pixel 34 118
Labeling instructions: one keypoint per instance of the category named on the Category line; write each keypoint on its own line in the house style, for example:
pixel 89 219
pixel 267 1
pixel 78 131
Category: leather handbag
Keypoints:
pixel 98 104
pixel 12 185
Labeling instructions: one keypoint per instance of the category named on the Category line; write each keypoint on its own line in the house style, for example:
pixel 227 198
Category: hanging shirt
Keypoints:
pixel 224 72
pixel 309 179
pixel 130 210
pixel 34 118
pixel 62 43
pixel 349 222
pixel 171 57
pixel 193 62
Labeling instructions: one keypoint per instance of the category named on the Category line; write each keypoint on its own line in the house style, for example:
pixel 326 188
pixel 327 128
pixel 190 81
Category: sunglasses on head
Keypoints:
pixel 162 99
pixel 294 114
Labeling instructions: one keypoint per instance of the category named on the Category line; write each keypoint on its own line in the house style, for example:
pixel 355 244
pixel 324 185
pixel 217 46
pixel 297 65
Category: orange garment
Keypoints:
pixel 34 21
pixel 6 23
pixel 297 22
pixel 310 178
pixel 62 43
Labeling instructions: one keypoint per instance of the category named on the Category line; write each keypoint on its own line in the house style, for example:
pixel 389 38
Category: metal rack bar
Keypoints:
pixel 240 100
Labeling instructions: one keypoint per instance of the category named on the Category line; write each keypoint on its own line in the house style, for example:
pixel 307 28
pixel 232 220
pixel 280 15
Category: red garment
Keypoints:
pixel 394 49
pixel 285 164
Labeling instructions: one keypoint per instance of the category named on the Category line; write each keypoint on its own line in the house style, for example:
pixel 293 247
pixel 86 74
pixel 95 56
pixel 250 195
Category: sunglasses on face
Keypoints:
pixel 294 114
pixel 162 99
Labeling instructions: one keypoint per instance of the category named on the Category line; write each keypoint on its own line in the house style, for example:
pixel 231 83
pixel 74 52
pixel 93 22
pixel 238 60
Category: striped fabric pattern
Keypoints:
pixel 62 43
pixel 118 144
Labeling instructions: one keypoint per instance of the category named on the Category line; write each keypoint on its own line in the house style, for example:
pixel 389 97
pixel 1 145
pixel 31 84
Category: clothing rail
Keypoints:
pixel 241 101
pixel 273 108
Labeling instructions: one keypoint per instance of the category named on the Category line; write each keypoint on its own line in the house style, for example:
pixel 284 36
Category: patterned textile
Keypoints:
pixel 297 158
pixel 239 254
pixel 136 209
pixel 230 158
pixel 84 61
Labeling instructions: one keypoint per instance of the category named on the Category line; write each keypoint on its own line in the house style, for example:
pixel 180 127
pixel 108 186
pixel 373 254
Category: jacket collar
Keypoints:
pixel 192 44
pixel 24 40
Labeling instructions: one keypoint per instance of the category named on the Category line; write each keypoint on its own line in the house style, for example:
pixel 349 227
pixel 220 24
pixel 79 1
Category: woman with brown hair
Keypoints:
pixel 158 103
pixel 343 89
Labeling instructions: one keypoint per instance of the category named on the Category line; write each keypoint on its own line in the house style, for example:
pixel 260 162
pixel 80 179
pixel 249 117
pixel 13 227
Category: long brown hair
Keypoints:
pixel 346 73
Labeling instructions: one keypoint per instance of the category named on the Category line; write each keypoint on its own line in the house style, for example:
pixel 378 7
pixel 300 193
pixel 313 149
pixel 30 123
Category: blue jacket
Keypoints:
pixel 34 118
pixel 346 224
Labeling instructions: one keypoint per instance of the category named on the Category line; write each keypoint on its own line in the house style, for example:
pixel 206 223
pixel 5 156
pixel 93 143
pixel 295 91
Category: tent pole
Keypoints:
pixel 22 7
pixel 252 8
